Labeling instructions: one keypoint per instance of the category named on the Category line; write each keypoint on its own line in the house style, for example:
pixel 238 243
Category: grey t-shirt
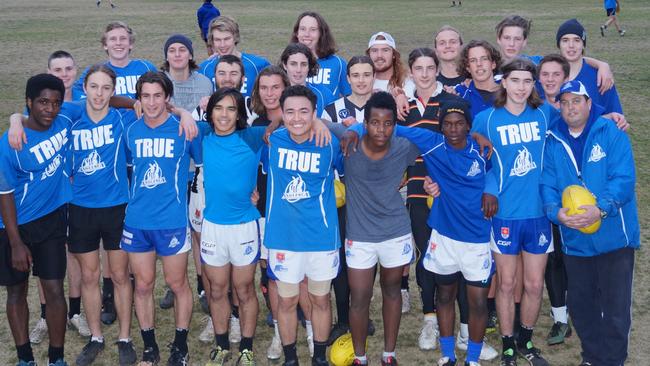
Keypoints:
pixel 188 93
pixel 375 211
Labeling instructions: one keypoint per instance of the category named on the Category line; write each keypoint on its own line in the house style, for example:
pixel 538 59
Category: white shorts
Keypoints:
pixel 292 267
pixel 389 253
pixel 197 204
pixel 447 256
pixel 237 244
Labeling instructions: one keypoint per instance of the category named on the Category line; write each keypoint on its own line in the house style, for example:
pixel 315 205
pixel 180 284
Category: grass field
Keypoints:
pixel 31 30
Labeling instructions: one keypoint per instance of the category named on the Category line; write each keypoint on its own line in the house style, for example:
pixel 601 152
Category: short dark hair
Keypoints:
pixel 380 100
pixel 298 91
pixel 230 59
pixel 256 100
pixel 514 21
pixel 37 83
pixel 463 62
pixel 518 64
pixel 422 52
pixel 239 102
pixel 555 57
pixel 155 77
pixel 326 45
pixel 59 54
pixel 100 68
pixel 360 60
pixel 294 48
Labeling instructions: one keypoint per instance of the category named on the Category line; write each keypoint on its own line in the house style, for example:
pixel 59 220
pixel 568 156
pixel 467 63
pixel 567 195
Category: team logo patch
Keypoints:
pixel 153 176
pixel 523 163
pixel 249 250
pixel 344 113
pixel 486 263
pixel 474 170
pixel 596 154
pixel 53 167
pixel 174 242
pixel 406 249
pixel 542 240
pixel 279 268
pixel 505 232
pixel 279 257
pixel 348 243
pixel 92 163
pixel 335 262
pixel 432 246
pixel 295 190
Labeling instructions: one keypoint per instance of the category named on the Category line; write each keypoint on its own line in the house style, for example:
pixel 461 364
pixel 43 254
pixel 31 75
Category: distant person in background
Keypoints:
pixel 204 16
pixel 113 6
pixel 611 8
pixel 453 3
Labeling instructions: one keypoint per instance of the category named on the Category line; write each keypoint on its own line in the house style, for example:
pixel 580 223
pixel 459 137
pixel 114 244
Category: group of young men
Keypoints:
pixel 494 135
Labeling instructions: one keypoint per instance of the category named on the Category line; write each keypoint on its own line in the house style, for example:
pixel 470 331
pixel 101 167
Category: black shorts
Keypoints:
pixel 450 279
pixel 611 11
pixel 45 238
pixel 90 225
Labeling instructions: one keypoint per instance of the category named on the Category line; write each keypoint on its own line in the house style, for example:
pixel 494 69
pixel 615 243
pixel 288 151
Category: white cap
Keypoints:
pixel 388 40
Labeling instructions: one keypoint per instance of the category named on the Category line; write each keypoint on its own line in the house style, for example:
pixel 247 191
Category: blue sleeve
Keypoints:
pixel 254 137
pixel 4 184
pixel 8 172
pixel 150 65
pixel 344 86
pixel 424 139
pixel 612 101
pixel 78 87
pixel 551 113
pixel 551 195
pixel 338 157
pixel 480 124
pixel 196 150
pixel 621 176
pixel 73 110
pixel 204 128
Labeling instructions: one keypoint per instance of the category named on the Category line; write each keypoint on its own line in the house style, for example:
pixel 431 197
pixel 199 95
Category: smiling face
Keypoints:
pixel 178 56
pixel 98 88
pixel 379 125
pixel 65 69
pixel 228 75
pixel 297 68
pixel 424 72
pixel 298 115
pixel 551 77
pixel 480 66
pixel 44 108
pixel 518 85
pixel 224 116
pixel 118 44
pixel 223 43
pixel 511 42
pixel 575 110
pixel 447 45
pixel 381 56
pixel 154 102
pixel 270 90
pixel 571 47
pixel 308 32
pixel 361 79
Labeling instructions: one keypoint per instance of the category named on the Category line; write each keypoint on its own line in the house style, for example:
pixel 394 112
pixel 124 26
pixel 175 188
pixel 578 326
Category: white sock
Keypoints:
pixel 127 340
pixel 97 339
pixel 385 355
pixel 363 358
pixel 310 330
pixel 464 331
pixel 559 314
pixel 276 329
pixel 432 317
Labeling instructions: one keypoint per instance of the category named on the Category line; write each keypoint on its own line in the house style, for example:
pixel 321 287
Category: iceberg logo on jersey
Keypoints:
pixel 474 169
pixel 296 190
pixel 153 176
pixel 174 242
pixel 596 154
pixel 542 240
pixel 523 163
pixel 92 163
pixel 53 167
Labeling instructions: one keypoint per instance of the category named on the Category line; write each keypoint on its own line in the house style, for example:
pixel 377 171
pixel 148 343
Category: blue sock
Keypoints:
pixel 447 345
pixel 473 351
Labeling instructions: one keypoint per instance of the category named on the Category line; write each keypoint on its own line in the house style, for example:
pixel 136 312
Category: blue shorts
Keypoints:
pixel 610 12
pixel 164 242
pixel 512 236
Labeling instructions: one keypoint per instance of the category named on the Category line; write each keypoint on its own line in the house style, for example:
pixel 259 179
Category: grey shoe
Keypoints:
pixel 89 353
pixel 167 302
pixel 126 353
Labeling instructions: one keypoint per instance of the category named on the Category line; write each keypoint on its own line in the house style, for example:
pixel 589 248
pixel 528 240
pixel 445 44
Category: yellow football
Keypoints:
pixel 575 196
pixel 429 201
pixel 339 191
pixel 342 350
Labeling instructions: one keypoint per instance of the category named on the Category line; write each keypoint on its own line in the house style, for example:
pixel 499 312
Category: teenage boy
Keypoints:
pixel 611 7
pixel 479 60
pixel 447 43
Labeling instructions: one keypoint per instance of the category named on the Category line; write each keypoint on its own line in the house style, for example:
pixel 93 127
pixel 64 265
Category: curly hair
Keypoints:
pixel 463 62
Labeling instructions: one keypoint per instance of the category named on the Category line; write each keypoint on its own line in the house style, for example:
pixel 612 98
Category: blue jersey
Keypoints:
pixel 301 211
pixel 98 161
pixel 125 82
pixel 588 75
pixel 161 162
pixel 253 64
pixel 332 74
pixel 609 4
pixel 323 97
pixel 456 213
pixel 517 158
pixel 474 97
pixel 36 174
pixel 230 175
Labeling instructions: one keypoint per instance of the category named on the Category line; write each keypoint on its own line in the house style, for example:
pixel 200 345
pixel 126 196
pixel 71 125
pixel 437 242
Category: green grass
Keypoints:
pixel 30 31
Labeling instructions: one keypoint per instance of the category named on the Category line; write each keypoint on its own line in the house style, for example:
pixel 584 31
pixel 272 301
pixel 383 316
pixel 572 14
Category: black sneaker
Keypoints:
pixel 167 301
pixel 508 358
pixel 108 315
pixel 491 322
pixel 89 353
pixel 338 330
pixel 176 357
pixel 371 327
pixel 532 355
pixel 126 353
pixel 586 363
pixel 151 355
pixel 203 301
pixel 320 361
pixel 558 332
pixel 290 363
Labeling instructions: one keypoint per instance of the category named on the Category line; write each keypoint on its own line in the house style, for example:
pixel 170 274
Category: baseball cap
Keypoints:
pixel 455 105
pixel 573 87
pixel 388 40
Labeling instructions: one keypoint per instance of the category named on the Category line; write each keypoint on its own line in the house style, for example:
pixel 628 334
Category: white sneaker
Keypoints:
pixel 310 344
pixel 406 302
pixel 79 323
pixel 207 334
pixel 428 339
pixel 474 364
pixel 39 332
pixel 235 330
pixel 274 352
pixel 443 361
pixel 487 352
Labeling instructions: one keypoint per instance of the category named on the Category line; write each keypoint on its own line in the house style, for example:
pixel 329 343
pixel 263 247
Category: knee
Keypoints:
pixel 320 303
pixel 218 291
pixel 143 287
pixel 90 276
pixel 17 294
pixel 178 285
pixel 287 303
pixel 245 292
pixel 120 278
pixel 534 286
pixel 53 290
pixel 478 306
pixel 445 298
pixel 507 284
pixel 392 291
